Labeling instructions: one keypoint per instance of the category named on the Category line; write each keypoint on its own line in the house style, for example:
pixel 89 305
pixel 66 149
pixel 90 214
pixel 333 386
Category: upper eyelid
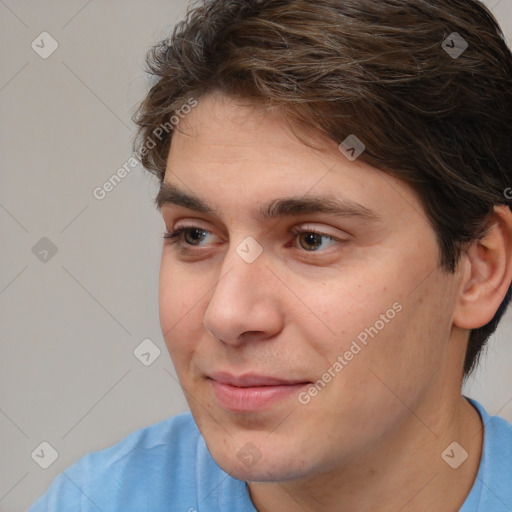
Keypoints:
pixel 178 232
pixel 307 228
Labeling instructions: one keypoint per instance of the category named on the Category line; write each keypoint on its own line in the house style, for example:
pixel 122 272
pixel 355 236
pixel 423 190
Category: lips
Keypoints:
pixel 251 393
pixel 252 380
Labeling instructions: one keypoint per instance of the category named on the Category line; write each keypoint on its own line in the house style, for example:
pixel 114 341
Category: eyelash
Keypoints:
pixel 175 238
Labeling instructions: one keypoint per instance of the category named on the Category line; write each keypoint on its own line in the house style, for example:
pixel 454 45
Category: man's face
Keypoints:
pixel 299 358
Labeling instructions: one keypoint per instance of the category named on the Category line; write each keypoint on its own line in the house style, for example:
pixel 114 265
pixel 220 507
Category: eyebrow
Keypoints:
pixel 275 208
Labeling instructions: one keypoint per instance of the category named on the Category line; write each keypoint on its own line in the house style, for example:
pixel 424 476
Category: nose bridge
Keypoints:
pixel 241 300
pixel 243 266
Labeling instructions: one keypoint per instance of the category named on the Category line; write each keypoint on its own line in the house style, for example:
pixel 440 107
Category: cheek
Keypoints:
pixel 401 360
pixel 388 325
pixel 179 309
pixel 348 310
pixel 177 292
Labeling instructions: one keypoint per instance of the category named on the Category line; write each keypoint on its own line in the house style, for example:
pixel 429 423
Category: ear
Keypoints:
pixel 486 272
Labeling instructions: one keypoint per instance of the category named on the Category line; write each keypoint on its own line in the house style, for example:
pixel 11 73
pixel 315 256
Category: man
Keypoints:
pixel 338 250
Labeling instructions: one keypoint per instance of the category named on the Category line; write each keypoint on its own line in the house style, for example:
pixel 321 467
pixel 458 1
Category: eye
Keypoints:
pixel 176 237
pixel 309 239
pixel 312 239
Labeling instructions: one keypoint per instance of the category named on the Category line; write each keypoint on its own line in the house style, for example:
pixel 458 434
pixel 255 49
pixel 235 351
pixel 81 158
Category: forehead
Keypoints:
pixel 228 150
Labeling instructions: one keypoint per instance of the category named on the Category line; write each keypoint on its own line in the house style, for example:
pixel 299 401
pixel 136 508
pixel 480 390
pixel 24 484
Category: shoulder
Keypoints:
pixel 497 432
pixel 158 460
pixel 495 472
pixel 146 450
pixel 175 436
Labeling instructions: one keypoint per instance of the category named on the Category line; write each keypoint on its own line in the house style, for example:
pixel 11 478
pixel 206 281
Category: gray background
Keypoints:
pixel 69 322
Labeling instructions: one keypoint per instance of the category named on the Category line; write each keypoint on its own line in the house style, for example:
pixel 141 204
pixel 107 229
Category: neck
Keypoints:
pixel 405 471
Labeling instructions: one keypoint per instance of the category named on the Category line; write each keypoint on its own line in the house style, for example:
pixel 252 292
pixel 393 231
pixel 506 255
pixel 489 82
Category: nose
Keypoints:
pixel 244 304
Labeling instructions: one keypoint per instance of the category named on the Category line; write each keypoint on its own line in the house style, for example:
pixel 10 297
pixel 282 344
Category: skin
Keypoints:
pixel 372 438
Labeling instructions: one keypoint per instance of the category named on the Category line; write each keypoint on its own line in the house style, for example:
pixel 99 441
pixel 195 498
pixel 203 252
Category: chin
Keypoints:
pixel 263 471
pixel 248 449
pixel 268 464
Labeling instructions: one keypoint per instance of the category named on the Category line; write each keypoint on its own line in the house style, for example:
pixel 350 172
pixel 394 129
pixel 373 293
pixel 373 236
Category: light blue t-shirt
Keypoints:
pixel 166 467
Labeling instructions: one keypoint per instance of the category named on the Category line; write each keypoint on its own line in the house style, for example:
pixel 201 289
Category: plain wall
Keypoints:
pixel 69 324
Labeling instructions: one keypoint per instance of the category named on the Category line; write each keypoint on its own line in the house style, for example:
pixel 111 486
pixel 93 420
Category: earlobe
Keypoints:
pixel 486 272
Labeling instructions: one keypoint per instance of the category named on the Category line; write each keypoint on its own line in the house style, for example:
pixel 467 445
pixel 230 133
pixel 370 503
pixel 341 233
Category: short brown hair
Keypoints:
pixel 379 69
